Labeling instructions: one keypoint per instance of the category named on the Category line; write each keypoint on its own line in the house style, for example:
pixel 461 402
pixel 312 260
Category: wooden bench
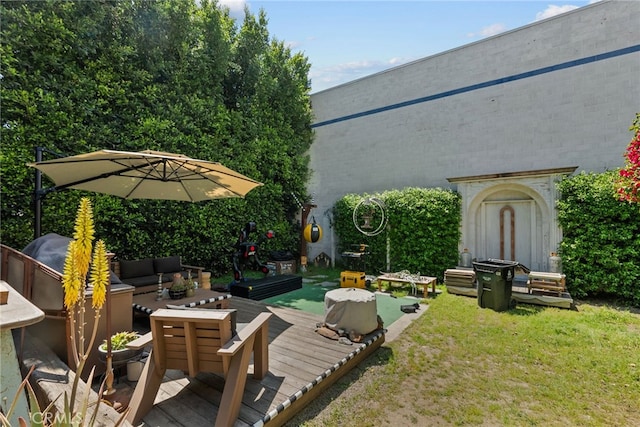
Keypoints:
pixel 424 281
pixel 546 282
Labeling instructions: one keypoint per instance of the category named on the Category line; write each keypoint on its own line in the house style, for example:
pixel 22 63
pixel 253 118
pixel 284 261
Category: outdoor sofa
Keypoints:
pixel 143 274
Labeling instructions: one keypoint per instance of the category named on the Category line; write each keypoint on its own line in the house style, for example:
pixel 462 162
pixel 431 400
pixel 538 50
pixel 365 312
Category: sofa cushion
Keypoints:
pixel 137 268
pixel 169 264
pixel 143 280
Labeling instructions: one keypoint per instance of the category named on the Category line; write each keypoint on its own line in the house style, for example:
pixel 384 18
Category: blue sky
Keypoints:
pixel 347 40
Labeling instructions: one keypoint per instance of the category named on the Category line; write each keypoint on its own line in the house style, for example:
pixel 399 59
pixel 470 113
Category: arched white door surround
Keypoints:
pixel 507 225
pixel 511 216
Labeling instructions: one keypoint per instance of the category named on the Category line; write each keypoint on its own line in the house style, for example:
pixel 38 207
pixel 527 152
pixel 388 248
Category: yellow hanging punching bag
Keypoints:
pixel 312 232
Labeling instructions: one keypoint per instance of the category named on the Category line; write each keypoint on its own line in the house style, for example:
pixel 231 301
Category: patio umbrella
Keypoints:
pixel 146 175
pixel 141 175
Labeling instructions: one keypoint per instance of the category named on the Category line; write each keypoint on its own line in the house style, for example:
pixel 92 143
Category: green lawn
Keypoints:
pixel 459 364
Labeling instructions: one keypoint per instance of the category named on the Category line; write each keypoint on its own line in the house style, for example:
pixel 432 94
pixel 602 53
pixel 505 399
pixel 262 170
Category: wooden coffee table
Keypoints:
pixel 424 281
pixel 147 303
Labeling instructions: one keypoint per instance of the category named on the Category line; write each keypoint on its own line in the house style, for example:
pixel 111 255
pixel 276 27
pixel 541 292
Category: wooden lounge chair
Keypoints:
pixel 201 341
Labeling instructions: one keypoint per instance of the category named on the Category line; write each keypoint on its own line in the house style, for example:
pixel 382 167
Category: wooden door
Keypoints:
pixel 507 230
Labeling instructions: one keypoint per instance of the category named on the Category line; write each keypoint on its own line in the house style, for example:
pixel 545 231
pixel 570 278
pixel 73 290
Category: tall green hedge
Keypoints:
pixel 179 76
pixel 600 249
pixel 422 232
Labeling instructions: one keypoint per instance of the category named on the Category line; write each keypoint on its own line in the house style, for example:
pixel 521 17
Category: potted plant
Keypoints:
pixel 119 351
pixel 190 285
pixel 178 288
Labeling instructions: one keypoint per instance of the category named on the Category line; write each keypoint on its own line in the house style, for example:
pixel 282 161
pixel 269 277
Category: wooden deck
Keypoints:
pixel 302 364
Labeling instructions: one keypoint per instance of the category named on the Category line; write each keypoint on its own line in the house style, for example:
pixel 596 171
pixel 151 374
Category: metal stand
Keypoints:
pixel 160 288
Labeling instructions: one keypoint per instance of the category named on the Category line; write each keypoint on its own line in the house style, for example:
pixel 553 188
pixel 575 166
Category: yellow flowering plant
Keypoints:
pixel 79 263
pixel 74 279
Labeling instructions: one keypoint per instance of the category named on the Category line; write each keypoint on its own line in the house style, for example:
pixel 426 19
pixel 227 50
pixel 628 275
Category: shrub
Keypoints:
pixel 423 230
pixel 628 185
pixel 600 249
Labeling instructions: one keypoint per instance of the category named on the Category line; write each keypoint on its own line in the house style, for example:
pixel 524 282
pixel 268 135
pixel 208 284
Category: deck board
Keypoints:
pixel 298 358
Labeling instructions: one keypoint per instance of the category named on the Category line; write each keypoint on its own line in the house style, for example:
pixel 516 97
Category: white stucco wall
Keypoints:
pixel 556 93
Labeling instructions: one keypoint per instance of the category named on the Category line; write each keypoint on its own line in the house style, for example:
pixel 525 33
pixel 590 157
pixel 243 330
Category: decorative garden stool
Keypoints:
pixel 206 280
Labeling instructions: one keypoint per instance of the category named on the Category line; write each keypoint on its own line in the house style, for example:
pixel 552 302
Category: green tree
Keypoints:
pixel 169 75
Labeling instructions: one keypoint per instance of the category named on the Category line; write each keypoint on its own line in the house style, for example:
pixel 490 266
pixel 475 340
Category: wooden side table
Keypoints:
pixel 424 281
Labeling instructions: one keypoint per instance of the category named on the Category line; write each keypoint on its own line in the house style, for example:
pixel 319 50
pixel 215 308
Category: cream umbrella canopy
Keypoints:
pixel 146 175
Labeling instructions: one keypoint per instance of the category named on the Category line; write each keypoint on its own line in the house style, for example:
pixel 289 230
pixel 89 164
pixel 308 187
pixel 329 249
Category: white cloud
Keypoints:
pixel 365 66
pixel 553 10
pixel 489 31
pixel 550 11
pixel 334 75
pixel 236 8
pixel 293 45
pixel 398 61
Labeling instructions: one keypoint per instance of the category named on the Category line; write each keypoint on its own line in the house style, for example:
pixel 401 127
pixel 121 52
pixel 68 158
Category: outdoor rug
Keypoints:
pixel 310 298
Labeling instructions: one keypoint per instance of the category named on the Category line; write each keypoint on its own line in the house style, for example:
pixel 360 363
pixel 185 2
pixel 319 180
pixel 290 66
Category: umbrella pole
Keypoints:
pixel 40 192
pixel 37 228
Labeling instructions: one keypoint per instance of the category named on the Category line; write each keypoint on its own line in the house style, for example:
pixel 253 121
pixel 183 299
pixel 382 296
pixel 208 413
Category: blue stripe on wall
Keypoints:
pixel 533 73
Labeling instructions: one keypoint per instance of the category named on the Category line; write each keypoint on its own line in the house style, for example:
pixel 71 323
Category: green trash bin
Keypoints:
pixel 495 280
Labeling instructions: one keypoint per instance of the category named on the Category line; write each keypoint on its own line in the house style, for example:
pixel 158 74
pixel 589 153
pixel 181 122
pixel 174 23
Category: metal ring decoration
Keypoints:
pixel 375 204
